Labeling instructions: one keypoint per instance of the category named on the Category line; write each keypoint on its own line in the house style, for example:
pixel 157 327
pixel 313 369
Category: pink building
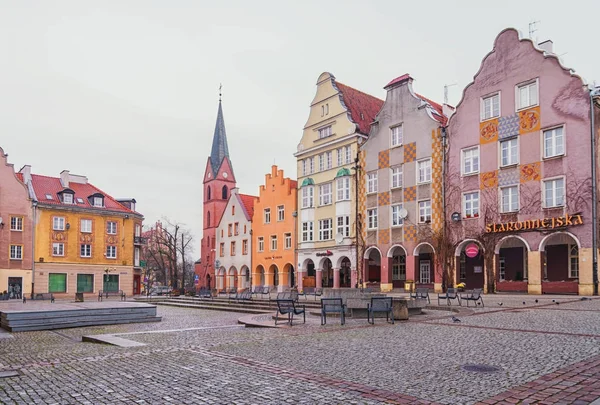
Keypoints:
pixel 518 181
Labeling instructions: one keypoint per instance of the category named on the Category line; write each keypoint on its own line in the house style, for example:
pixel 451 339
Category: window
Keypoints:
pixel 233 210
pixel 138 230
pixel 98 202
pixel 57 282
pixel 304 167
pixel 267 215
pixel 509 152
pixel 343 225
pixel 236 228
pixel 16 223
pixel 287 237
pixel 527 95
pixel 86 225
pixel 232 247
pixel 311 162
pixel 343 188
pixel 425 211
pixel 470 159
pixel 344 155
pixel 307 197
pixel 111 228
pixel 399 267
pixel 245 247
pixel 463 266
pixel 396 176
pixel 208 193
pixel 371 182
pixel 222 249
pixel 16 252
pixel 490 107
pixel 58 249
pixel 397 220
pixel 85 283
pixel 261 244
pixel 509 199
pixel 273 242
pixel 208 219
pixel 328 160
pixel 111 252
pixel 136 257
pixel 554 142
pixel 85 251
pixel 307 231
pixel 325 231
pixel 502 266
pixel 224 193
pixel 348 158
pixel 325 132
pixel 280 213
pixel 574 262
pixel 397 135
pixel 67 198
pixel 229 229
pixel 49 197
pixel 372 218
pixel 424 171
pixel 244 229
pixel 79 200
pixel 554 193
pixel 471 205
pixel 58 223
pixel 325 194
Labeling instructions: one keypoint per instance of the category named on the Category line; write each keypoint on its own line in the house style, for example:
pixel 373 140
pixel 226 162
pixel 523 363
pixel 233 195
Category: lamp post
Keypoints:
pixel 294 239
pixel 357 169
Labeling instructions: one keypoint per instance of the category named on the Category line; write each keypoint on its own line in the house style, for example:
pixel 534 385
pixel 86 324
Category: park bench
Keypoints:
pixel 421 292
pixel 473 295
pixel 245 295
pixel 332 306
pixel 105 294
pixel 289 308
pixel 262 290
pixel 227 291
pixel 288 295
pixel 45 296
pixel 204 292
pixel 451 294
pixel 312 291
pixel 380 304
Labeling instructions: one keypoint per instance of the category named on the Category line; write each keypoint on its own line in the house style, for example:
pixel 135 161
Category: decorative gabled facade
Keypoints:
pixel 519 173
pixel 234 242
pixel 16 237
pixel 402 168
pixel 273 232
pixel 339 121
pixel 217 184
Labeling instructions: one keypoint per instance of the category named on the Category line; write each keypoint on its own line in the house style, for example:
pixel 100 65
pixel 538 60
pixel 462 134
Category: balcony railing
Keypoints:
pixel 138 240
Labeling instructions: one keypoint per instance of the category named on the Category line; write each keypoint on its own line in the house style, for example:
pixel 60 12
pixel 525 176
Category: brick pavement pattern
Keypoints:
pixel 545 352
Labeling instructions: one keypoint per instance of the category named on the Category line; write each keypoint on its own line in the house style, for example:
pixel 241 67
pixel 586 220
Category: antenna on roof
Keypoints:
pixel 446 91
pixel 532 29
pixel 220 87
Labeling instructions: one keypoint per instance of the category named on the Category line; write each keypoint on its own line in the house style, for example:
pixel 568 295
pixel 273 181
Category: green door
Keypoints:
pixel 111 282
pixel 85 283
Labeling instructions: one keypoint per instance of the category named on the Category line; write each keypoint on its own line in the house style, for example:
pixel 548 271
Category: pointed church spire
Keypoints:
pixel 219 149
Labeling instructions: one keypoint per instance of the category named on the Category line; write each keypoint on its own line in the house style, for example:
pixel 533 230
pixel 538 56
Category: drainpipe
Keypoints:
pixel 34 204
pixel 594 93
pixel 444 141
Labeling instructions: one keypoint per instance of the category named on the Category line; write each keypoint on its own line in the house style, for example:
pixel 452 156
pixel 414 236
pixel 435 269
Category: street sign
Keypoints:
pixel 472 250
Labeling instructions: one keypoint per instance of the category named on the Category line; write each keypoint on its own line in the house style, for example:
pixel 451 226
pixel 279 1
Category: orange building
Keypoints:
pixel 274 232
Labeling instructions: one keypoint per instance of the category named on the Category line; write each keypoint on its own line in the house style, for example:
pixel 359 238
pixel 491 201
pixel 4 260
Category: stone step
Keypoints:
pixel 78 324
pixel 216 307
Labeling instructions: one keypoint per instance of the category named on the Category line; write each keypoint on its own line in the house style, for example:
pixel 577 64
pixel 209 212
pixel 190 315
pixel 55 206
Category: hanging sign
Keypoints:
pixel 472 250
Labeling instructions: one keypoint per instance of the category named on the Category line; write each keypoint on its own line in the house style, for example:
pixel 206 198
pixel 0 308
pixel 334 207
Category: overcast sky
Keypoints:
pixel 126 92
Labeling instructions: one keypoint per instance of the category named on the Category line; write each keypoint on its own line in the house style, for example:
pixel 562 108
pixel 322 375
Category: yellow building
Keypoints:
pixel 85 240
pixel 339 122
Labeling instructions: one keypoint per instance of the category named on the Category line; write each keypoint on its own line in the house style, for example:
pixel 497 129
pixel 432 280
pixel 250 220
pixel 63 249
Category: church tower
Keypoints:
pixel 218 182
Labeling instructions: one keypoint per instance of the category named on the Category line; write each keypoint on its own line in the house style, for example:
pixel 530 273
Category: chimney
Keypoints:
pixel 547 46
pixel 64 178
pixel 26 172
pixel 235 190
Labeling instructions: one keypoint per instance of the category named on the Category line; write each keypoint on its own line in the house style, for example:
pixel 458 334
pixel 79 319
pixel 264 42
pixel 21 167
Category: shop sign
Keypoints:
pixel 536 224
pixel 328 253
pixel 472 250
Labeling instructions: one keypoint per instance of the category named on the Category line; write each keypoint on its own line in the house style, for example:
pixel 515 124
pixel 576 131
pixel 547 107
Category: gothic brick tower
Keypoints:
pixel 218 182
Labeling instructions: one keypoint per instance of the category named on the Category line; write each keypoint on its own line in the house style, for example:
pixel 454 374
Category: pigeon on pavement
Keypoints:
pixel 455 319
pixel 500 303
pixel 536 301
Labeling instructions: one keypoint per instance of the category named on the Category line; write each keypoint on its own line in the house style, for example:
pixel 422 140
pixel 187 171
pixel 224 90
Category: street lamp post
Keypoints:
pixel 295 241
pixel 357 169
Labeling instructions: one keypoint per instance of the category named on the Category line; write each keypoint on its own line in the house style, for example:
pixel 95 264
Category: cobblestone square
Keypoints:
pixel 542 352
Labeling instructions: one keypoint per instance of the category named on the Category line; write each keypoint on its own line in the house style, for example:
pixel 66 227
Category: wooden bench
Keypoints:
pixel 289 308
pixel 332 306
pixel 105 294
pixel 451 294
pixel 380 304
pixel 473 295
pixel 204 292
pixel 421 292
pixel 312 291
pixel 44 296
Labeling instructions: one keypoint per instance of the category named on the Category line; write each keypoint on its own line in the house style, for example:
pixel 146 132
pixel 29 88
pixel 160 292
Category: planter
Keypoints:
pixel 511 286
pixel 560 287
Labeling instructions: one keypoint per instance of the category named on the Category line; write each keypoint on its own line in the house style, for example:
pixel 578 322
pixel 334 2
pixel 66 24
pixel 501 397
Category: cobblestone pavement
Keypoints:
pixel 542 353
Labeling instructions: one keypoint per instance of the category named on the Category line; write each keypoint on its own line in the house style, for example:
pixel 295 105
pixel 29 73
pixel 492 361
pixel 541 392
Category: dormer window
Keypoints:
pixel 67 198
pixel 98 202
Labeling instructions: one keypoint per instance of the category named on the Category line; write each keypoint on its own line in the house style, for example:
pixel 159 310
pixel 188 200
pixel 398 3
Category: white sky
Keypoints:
pixel 125 92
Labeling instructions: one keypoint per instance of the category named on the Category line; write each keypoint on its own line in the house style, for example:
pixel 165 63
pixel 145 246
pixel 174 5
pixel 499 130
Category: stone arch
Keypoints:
pixel 390 252
pixel 232 276
pixel 501 241
pixel 345 265
pixel 326 266
pixel 220 278
pixel 417 249
pixel 462 245
pixel 274 271
pixel 289 273
pixel 369 250
pixel 244 279
pixel 259 275
pixel 309 267
pixel 544 241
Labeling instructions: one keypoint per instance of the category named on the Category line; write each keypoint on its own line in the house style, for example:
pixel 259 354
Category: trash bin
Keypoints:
pixel 78 297
pixel 409 286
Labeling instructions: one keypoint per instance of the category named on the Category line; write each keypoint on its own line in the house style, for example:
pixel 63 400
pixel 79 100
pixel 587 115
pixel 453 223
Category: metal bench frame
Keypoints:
pixel 451 294
pixel 380 304
pixel 316 292
pixel 421 292
pixel 289 308
pixel 105 294
pixel 473 295
pixel 44 296
pixel 332 306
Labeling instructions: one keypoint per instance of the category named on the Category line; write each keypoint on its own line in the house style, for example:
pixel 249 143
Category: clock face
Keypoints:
pixel 225 174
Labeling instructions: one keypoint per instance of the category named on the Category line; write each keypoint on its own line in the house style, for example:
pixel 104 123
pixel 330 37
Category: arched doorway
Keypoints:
pixel 327 273
pixel 511 264
pixel 424 265
pixel 289 271
pixel 275 274
pixel 560 263
pixel 208 281
pixel 397 254
pixel 471 266
pixel 232 278
pixel 345 272
pixel 372 265
pixel 259 275
pixel 221 278
pixel 244 280
pixel 309 279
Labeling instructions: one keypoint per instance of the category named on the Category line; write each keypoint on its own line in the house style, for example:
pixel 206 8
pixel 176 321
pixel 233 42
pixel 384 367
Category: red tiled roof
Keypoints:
pixel 402 78
pixel 437 107
pixel 248 203
pixel 362 106
pixel 43 185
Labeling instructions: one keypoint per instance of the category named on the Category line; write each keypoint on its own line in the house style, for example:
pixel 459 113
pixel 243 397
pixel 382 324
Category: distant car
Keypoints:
pixel 161 290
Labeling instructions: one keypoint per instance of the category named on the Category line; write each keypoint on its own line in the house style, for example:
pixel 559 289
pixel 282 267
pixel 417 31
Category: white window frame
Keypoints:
pixel 280 213
pixel 232 248
pixel 500 150
pixel 304 167
pixel 325 197
pixel 395 220
pixel 321 162
pixel 545 182
pixel 261 244
pixel 273 244
pixel 98 202
pixel 267 215
pixel 396 135
pixel 343 192
pixel 87 252
pixel 308 195
pixel 287 240
pixel 244 246
pixel 348 155
pixel 399 269
pixel 371 183
pixel 58 223
pixel 482 111
pixel 426 171
pixel 16 252
pixel 343 225
pixel 397 179
pixel 472 159
pixel 372 218
pixel 85 228
pixel 68 198
pixel 555 145
pixel 528 84
pixel 307 231
pixel 424 211
pixel 111 252
pixel 510 208
pixel 472 212
pixel 325 233
pixel 328 160
pixel 16 224
pixel 573 265
pixel 111 228
pixel 58 249
pixel 325 132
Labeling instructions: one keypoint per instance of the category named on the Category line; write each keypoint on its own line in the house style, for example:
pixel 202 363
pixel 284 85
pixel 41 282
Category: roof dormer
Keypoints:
pixel 96 200
pixel 66 196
